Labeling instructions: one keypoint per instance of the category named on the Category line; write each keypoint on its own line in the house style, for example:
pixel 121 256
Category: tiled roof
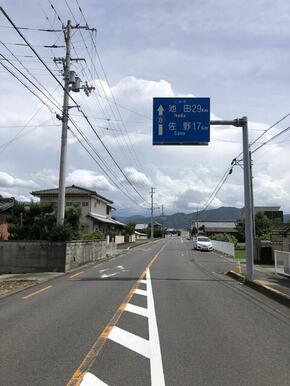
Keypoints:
pixel 70 190
pixel 107 220
pixel 6 203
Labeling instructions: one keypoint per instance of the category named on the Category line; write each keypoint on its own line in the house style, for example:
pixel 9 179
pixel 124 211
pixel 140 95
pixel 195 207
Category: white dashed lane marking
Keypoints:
pixel 147 348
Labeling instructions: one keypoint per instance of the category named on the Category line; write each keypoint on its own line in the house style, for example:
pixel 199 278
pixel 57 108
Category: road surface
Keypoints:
pixel 161 314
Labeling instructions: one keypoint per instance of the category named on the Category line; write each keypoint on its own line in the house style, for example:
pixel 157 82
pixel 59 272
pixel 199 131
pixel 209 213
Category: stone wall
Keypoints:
pixel 45 256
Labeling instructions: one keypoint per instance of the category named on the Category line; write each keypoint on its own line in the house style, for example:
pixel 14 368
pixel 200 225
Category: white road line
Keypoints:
pixel 156 366
pixel 140 292
pixel 143 281
pixel 136 309
pixel 104 276
pixel 130 341
pixel 91 380
pixel 104 270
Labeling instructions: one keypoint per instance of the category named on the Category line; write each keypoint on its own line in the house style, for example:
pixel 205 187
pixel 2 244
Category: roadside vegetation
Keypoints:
pixel 38 222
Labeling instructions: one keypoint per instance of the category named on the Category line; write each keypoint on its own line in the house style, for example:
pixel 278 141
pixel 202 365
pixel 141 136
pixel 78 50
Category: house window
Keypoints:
pixel 108 210
pixel 85 203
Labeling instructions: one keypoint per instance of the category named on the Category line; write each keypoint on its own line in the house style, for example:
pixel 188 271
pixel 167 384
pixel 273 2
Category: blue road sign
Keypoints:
pixel 181 121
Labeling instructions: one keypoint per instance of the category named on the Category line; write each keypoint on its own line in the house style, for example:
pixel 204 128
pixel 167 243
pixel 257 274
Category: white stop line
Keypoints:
pixel 148 348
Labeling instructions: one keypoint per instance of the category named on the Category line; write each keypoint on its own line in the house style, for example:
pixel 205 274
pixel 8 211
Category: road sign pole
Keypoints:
pixel 248 202
pixel 243 122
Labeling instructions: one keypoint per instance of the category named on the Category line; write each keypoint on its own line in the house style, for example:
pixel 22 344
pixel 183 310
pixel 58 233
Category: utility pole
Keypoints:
pixel 248 203
pixel 162 216
pixel 63 151
pixel 71 83
pixel 152 209
pixel 252 196
pixel 243 123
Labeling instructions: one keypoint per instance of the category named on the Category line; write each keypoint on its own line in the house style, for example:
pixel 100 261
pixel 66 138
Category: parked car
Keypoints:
pixel 202 243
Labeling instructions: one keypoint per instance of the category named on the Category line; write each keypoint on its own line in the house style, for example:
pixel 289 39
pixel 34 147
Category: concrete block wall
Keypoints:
pixel 83 252
pixel 31 256
pixel 45 256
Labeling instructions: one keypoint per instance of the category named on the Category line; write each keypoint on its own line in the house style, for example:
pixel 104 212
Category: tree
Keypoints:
pixel 129 229
pixel 38 222
pixel 263 227
pixel 240 226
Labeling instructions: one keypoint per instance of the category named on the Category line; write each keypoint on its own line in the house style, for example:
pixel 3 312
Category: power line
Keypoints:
pixel 271 139
pixel 110 89
pixel 86 118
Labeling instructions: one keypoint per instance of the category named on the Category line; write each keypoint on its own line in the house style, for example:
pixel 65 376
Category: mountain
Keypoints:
pixel 184 220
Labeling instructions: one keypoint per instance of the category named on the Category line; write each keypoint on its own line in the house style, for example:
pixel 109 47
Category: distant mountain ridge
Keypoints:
pixel 184 220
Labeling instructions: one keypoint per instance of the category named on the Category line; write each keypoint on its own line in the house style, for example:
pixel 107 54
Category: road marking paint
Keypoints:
pixel 136 309
pixel 140 292
pixel 131 341
pixel 143 281
pixel 36 292
pixel 76 274
pixel 91 380
pixel 99 343
pixel 103 270
pixel 104 276
pixel 156 367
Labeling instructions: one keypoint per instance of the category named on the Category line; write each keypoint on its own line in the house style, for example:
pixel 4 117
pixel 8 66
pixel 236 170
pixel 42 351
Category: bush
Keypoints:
pixel 38 222
pixel 97 235
pixel 224 237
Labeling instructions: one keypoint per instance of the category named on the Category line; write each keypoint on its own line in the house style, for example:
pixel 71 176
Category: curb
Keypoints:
pixel 264 289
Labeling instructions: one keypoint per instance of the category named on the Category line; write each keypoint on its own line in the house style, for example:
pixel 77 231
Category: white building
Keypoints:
pixel 96 209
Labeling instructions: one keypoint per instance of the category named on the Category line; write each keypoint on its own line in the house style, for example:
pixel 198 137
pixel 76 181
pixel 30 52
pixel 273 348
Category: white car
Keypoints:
pixel 202 243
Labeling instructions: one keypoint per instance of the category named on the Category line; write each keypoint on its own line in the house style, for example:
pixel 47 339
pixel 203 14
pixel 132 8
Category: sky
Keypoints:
pixel 234 52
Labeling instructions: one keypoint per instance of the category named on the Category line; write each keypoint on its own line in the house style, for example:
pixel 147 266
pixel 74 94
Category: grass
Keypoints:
pixel 240 254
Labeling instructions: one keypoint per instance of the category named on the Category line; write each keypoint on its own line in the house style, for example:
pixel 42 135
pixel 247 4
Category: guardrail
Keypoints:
pixel 282 262
pixel 224 247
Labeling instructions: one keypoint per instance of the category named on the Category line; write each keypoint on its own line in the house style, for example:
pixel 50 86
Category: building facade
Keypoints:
pixel 96 210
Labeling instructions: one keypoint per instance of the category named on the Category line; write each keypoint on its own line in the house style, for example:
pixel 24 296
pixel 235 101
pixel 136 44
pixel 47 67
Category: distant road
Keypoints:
pixel 161 314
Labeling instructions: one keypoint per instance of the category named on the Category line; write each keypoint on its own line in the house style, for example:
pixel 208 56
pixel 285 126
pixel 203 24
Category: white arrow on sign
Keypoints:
pixel 160 110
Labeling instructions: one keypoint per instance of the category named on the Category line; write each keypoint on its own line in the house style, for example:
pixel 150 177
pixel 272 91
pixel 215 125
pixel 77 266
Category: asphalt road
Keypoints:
pixel 160 314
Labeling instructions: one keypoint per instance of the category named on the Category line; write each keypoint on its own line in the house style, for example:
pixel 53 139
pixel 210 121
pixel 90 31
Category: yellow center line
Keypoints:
pixel 76 274
pixel 99 343
pixel 36 292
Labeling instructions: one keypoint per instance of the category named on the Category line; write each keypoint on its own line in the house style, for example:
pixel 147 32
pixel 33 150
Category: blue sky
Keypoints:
pixel 234 52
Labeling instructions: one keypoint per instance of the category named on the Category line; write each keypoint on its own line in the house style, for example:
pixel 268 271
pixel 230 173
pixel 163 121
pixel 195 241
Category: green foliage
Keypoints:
pixel 38 222
pixel 97 235
pixel 263 227
pixel 157 232
pixel 129 229
pixel 224 237
pixel 193 231
pixel 240 225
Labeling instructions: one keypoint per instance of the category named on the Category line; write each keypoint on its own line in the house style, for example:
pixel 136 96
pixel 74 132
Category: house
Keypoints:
pixel 272 212
pixel 96 209
pixel 5 205
pixel 213 227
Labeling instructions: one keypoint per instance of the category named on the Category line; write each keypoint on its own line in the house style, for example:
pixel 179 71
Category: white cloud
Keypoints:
pixel 90 180
pixel 6 180
pixel 137 178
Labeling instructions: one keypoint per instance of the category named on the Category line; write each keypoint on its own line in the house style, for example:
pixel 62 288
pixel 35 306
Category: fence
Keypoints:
pixel 282 262
pixel 224 247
